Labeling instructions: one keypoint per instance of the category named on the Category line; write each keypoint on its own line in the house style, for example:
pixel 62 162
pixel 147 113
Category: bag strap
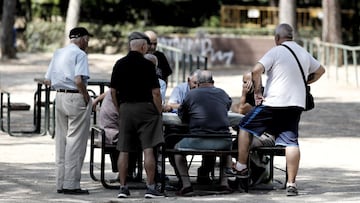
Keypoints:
pixel 297 60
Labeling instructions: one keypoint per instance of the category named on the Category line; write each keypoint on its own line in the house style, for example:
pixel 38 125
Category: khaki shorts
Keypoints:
pixel 140 125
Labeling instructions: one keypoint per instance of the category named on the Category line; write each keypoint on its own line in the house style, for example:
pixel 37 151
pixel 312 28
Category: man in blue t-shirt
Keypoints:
pixel 205 109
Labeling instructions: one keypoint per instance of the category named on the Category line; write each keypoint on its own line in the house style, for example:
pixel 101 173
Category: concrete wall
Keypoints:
pixel 224 51
pixel 247 51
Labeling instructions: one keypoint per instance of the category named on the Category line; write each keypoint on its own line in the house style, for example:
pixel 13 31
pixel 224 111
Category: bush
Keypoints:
pixel 47 36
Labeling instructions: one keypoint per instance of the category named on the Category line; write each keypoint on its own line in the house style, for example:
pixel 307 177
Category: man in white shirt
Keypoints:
pixel 279 108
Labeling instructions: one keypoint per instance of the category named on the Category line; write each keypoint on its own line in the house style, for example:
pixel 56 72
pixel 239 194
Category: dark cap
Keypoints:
pixel 139 35
pixel 79 32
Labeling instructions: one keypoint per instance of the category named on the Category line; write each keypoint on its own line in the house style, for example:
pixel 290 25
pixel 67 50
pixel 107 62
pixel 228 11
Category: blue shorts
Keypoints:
pixel 282 122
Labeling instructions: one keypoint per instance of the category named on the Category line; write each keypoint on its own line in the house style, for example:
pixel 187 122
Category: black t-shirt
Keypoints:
pixel 163 65
pixel 134 77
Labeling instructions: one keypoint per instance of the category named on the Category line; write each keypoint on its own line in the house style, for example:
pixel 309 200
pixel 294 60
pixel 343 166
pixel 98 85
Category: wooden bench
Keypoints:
pixel 97 141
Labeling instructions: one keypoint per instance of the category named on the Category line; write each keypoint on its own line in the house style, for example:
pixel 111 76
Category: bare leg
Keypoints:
pixel 149 165
pixel 181 165
pixel 226 162
pixel 123 167
pixel 243 145
pixel 292 162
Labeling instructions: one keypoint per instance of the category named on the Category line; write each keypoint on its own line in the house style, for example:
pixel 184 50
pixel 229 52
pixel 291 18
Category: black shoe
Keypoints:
pixel 291 190
pixel 123 192
pixel 75 192
pixel 151 193
pixel 185 191
pixel 229 172
pixel 245 173
pixel 60 191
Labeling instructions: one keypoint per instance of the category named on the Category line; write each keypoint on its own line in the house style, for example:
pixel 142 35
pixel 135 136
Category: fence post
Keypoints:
pixel 355 67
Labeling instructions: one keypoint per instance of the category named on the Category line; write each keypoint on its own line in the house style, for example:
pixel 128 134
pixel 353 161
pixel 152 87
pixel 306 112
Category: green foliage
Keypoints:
pixel 48 36
pixel 44 36
pixel 213 21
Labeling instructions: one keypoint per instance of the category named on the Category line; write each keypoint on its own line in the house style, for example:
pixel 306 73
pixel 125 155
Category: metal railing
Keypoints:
pixel 182 63
pixel 338 56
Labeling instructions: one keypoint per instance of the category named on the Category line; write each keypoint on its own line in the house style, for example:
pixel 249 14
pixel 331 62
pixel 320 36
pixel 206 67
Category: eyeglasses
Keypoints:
pixel 153 43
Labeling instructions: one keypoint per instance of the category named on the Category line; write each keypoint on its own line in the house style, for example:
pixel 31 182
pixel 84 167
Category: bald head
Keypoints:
pixel 151 34
pixel 153 40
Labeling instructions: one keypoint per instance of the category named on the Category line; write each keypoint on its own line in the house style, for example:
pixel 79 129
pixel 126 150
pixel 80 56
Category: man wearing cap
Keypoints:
pixel 135 90
pixel 68 73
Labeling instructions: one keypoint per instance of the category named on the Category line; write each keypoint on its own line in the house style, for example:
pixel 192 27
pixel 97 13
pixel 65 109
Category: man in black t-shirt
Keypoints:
pixel 163 64
pixel 139 109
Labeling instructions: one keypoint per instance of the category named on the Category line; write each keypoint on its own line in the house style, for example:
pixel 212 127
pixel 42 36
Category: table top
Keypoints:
pixel 40 80
pixel 105 82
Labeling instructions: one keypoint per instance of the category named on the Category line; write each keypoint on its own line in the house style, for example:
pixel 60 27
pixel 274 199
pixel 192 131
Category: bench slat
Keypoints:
pixel 18 106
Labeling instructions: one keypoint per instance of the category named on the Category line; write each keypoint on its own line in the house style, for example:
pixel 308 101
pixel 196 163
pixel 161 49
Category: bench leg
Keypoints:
pixel 92 149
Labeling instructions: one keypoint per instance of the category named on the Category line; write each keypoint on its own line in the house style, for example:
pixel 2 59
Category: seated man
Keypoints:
pixel 162 83
pixel 180 91
pixel 205 109
pixel 176 98
pixel 108 120
pixel 260 165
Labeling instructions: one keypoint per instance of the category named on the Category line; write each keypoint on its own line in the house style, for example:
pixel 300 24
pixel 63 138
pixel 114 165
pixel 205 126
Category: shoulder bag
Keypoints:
pixel 309 98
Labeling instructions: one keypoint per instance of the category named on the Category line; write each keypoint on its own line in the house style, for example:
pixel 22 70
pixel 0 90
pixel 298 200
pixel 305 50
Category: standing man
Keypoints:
pixel 139 109
pixel 163 64
pixel 279 108
pixel 68 73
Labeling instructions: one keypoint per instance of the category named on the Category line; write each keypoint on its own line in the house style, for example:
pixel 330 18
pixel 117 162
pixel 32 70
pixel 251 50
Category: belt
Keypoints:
pixel 67 91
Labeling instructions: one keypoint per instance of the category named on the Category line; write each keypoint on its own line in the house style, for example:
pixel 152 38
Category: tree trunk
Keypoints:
pixel 8 34
pixel 72 18
pixel 331 31
pixel 287 14
pixel 331 26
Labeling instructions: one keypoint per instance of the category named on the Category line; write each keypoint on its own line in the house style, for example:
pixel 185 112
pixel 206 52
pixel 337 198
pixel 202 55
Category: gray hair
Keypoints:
pixel 152 58
pixel 205 76
pixel 194 72
pixel 136 44
pixel 284 30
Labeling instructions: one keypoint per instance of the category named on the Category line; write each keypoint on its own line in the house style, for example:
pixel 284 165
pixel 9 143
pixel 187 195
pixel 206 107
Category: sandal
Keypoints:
pixel 185 191
pixel 225 188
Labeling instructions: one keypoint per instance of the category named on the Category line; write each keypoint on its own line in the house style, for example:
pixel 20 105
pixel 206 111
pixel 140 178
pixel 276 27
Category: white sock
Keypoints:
pixel 239 166
pixel 290 184
pixel 152 186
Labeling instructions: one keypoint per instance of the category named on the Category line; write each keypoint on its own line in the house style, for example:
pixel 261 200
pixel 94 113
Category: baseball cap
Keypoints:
pixel 138 35
pixel 78 32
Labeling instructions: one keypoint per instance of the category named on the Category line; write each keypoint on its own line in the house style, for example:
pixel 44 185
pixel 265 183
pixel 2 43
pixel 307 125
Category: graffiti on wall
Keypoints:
pixel 200 46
